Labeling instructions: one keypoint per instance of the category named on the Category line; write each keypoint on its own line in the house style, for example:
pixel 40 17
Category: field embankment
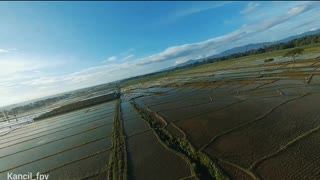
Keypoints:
pixel 79 105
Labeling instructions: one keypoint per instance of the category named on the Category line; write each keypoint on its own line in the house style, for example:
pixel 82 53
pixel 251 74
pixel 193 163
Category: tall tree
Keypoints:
pixel 294 53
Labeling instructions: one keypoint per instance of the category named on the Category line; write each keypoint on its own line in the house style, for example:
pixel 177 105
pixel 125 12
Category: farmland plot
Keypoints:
pixel 267 135
pixel 132 123
pixel 147 157
pixel 61 145
pixel 300 161
pixel 252 120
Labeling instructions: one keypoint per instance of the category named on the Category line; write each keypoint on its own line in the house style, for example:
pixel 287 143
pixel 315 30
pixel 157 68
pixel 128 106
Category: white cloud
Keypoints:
pixel 17 70
pixel 3 51
pixel 25 77
pixel 213 46
pixel 48 85
pixel 313 29
pixel 297 10
pixel 250 7
pixel 11 66
pixel 7 50
pixel 110 59
pixel 219 44
pixel 113 58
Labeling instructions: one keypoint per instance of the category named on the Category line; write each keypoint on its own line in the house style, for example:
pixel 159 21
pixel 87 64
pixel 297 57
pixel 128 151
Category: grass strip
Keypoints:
pixel 117 168
pixel 202 166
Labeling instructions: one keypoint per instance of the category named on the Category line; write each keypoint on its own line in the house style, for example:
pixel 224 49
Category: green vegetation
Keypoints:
pixel 79 105
pixel 294 53
pixel 308 40
pixel 117 168
pixel 202 166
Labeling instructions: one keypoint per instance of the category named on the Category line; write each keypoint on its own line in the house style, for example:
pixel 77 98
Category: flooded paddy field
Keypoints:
pixel 74 145
pixel 147 156
pixel 256 121
pixel 230 121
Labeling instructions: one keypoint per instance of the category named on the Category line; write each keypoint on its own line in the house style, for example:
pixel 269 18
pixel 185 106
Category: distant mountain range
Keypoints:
pixel 247 48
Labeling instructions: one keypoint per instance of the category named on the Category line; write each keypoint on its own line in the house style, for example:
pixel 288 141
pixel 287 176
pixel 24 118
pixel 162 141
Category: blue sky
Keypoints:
pixel 52 47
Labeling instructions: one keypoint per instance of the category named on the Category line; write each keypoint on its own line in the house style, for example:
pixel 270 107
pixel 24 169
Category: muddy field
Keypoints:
pixel 256 121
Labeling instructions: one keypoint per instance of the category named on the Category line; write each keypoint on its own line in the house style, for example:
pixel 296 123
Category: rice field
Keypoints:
pixel 239 119
pixel 61 146
pixel 255 121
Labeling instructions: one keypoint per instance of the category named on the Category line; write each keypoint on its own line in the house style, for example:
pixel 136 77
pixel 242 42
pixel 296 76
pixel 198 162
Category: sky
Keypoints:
pixel 52 47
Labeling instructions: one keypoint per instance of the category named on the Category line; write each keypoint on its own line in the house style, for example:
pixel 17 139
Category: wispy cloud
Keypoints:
pixel 34 87
pixel 19 78
pixel 31 83
pixel 307 22
pixel 118 59
pixel 179 14
pixel 7 50
pixel 219 44
pixel 250 7
pixel 194 10
pixel 127 52
pixel 123 56
pixel 16 69
pixel 128 57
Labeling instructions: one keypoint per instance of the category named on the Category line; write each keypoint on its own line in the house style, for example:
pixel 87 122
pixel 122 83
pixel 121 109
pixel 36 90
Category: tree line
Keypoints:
pixel 34 105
